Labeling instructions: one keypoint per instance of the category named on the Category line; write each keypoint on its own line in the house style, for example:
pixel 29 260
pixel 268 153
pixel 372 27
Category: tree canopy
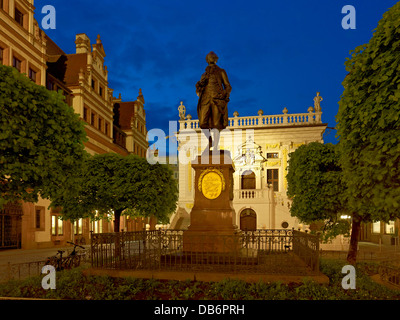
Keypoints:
pixel 111 184
pixel 369 127
pixel 369 123
pixel 316 187
pixel 41 139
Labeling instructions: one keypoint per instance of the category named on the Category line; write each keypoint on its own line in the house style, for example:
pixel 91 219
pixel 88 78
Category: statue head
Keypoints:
pixel 211 58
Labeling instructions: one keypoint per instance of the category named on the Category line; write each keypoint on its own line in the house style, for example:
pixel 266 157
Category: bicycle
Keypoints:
pixel 60 263
pixel 56 261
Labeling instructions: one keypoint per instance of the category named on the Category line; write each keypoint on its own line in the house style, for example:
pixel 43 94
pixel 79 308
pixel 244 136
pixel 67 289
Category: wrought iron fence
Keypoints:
pixel 306 247
pixel 390 274
pixel 265 251
pixel 24 270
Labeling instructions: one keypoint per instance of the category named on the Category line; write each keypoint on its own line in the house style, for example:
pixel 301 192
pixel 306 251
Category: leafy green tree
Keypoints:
pixel 111 184
pixel 41 139
pixel 369 127
pixel 316 187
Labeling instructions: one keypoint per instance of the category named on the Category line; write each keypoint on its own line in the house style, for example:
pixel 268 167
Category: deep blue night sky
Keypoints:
pixel 277 53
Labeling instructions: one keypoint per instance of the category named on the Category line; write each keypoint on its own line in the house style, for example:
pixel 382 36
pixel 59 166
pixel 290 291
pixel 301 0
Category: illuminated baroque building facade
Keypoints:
pixel 111 124
pixel 260 147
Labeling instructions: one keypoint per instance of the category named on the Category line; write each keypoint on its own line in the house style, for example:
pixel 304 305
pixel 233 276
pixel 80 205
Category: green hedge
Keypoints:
pixel 73 284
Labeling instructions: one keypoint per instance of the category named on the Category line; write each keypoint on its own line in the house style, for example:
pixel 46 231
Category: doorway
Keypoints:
pixel 10 226
pixel 248 220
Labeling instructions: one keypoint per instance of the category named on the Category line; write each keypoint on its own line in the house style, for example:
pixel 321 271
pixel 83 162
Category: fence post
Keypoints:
pixel 317 253
pixel 91 248
pixel 159 248
pixel 9 271
pixel 307 252
pixel 294 244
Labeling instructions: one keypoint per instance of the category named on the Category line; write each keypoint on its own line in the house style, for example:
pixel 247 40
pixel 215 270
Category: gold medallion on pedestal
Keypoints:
pixel 211 183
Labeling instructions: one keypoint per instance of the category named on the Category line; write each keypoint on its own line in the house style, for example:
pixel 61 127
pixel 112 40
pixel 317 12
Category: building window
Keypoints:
pixel 16 63
pixel 273 155
pixel 78 227
pixel 49 85
pixel 57 226
pixel 93 84
pixel 93 119
pixel 1 4
pixel 101 91
pixel 106 129
pixel 100 122
pixel 32 75
pixel 376 227
pixel 85 114
pixel 389 227
pixel 248 180
pixel 1 55
pixel 39 218
pixel 273 178
pixel 19 17
pixel 97 226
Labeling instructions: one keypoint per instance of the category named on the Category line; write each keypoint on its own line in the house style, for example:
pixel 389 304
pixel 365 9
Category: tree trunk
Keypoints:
pixel 355 232
pixel 117 220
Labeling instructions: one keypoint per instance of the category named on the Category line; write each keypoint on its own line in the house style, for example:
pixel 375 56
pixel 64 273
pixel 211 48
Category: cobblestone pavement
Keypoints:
pixel 19 263
pixel 31 255
pixel 368 251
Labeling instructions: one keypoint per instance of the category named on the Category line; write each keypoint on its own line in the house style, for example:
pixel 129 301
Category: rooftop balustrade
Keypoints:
pixel 285 119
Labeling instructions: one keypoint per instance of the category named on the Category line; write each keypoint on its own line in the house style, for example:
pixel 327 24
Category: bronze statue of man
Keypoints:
pixel 213 90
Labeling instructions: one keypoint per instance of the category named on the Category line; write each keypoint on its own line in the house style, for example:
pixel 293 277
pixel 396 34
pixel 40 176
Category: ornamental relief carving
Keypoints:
pixel 211 183
pixel 273 146
pixel 274 163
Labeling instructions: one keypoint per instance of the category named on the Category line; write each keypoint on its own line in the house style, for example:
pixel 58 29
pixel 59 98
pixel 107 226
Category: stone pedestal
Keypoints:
pixel 211 227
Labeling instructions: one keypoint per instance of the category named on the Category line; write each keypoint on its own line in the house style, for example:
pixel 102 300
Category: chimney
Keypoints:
pixel 82 43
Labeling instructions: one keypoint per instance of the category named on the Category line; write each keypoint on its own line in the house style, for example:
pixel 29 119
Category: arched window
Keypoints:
pixel 248 180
